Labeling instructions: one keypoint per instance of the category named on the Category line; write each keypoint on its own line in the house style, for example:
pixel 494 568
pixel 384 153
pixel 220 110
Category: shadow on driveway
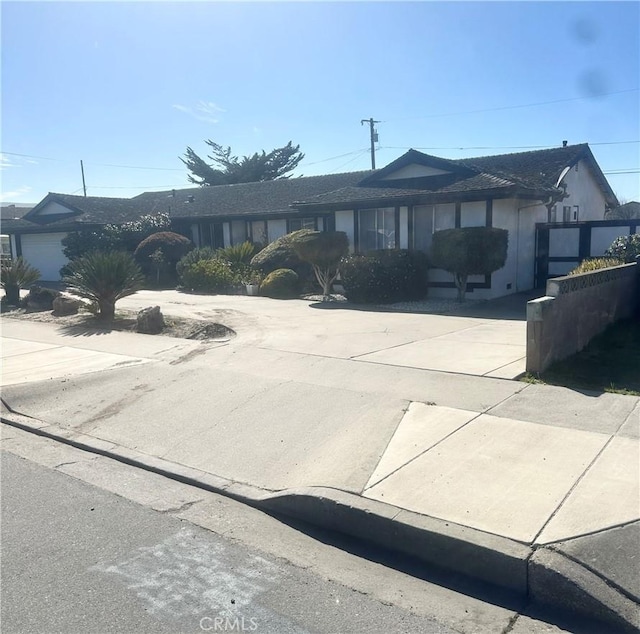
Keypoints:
pixel 512 307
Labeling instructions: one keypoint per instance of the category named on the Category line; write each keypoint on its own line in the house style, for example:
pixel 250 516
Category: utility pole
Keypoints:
pixel 374 138
pixel 84 187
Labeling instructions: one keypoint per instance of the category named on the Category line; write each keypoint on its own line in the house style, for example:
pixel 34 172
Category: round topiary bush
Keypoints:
pixel 161 252
pixel 280 254
pixel 281 284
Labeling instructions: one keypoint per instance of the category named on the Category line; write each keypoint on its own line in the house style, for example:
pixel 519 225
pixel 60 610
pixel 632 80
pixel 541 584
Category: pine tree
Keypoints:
pixel 226 169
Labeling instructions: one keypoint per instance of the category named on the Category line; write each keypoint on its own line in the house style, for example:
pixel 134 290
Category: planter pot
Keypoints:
pixel 253 289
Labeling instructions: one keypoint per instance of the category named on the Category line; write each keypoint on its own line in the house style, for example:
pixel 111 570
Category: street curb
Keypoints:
pixel 544 576
pixel 560 582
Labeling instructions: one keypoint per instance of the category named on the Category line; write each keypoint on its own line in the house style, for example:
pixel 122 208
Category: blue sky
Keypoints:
pixel 133 84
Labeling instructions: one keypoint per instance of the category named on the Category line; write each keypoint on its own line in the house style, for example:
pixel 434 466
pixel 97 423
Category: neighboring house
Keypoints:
pixel 398 206
pixel 9 212
pixel 628 211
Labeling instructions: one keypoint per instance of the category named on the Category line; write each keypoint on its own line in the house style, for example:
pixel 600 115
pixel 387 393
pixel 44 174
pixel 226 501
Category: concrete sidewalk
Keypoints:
pixel 533 488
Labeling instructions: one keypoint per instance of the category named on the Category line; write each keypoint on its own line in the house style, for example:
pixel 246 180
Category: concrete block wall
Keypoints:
pixel 576 309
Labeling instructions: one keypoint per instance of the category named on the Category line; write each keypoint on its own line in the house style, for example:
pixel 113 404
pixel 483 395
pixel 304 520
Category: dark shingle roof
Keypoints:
pixel 538 169
pixel 12 212
pixel 88 209
pixel 533 173
pixel 264 198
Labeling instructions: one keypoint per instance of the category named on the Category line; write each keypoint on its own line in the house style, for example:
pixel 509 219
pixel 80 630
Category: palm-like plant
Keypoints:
pixel 104 277
pixel 14 275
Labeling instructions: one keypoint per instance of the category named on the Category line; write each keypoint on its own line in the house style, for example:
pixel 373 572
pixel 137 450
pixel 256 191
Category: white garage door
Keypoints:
pixel 44 252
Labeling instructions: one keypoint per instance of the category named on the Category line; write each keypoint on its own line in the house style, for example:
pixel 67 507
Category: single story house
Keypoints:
pixel 398 206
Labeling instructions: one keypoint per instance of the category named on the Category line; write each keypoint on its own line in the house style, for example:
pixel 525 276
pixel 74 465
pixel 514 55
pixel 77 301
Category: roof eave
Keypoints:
pixel 511 191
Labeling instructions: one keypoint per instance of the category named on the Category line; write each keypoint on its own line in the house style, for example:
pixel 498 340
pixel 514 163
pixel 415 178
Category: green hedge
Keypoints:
pixel 211 276
pixel 385 277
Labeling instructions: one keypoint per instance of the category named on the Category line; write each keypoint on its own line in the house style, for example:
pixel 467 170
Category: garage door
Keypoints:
pixel 44 252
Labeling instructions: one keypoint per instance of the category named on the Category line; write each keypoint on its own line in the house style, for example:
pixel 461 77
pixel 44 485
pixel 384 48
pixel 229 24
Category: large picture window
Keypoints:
pixel 295 224
pixel 376 229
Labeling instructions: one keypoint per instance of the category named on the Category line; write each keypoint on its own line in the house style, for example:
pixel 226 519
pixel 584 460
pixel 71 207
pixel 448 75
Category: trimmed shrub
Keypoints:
pixel 14 275
pixel 469 251
pixel 209 276
pixel 195 255
pixel 385 277
pixel 173 246
pixel 595 264
pixel 104 277
pixel 159 254
pixel 280 254
pixel 324 250
pixel 625 248
pixel 281 284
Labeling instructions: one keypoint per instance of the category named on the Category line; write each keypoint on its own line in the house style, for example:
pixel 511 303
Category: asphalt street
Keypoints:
pixel 76 558
pixel 92 545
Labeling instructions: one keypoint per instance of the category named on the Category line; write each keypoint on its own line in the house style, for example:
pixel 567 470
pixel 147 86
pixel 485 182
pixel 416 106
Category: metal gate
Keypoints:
pixel 560 247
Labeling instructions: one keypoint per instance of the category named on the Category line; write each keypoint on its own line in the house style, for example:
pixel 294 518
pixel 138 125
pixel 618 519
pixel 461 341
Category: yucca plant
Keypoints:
pixel 104 277
pixel 14 275
pixel 237 253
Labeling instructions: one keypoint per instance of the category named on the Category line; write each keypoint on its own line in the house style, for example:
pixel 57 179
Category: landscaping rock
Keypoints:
pixel 150 321
pixel 63 305
pixel 40 298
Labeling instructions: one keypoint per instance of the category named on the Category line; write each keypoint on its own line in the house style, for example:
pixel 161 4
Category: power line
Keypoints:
pixel 526 105
pixel 333 158
pixel 172 186
pixel 351 160
pixel 133 167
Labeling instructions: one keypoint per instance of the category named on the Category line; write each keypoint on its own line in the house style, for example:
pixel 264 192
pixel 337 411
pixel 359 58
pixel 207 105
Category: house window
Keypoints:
pixel 570 214
pixel 295 224
pixel 422 227
pixel 238 231
pixel 376 229
pixel 553 214
pixel 258 230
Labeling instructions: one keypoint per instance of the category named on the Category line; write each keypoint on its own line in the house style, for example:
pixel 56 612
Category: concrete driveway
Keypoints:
pixel 478 342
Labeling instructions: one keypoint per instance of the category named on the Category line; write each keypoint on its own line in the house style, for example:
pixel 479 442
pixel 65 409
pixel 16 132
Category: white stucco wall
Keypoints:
pixel 519 219
pixel 584 192
pixel 226 234
pixel 414 171
pixel 344 222
pixel 53 208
